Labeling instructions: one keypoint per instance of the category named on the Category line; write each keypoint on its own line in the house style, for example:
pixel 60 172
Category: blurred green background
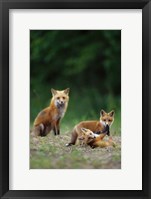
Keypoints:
pixel 86 61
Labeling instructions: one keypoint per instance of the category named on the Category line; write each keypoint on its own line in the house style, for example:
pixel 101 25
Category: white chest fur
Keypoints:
pixel 61 112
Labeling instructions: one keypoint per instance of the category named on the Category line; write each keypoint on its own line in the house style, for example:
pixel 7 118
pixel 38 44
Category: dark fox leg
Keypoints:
pixel 106 130
pixel 54 131
pixel 58 132
pixel 58 126
pixel 73 139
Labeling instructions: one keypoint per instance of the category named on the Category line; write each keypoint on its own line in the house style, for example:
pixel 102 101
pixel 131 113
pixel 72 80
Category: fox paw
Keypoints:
pixel 69 144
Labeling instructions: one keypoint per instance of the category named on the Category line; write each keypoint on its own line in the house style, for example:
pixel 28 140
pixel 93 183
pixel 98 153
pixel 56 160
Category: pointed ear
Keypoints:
pixel 66 91
pixel 83 130
pixel 111 114
pixel 53 91
pixel 102 112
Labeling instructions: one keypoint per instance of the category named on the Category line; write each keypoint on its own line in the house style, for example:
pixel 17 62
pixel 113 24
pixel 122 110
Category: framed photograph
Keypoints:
pixel 75 99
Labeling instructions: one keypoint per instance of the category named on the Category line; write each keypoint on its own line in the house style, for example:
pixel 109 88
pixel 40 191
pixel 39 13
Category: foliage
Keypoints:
pixel 87 61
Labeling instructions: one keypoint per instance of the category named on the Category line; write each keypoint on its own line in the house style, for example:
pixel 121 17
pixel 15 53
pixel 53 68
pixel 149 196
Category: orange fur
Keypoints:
pixel 89 138
pixel 94 126
pixel 99 142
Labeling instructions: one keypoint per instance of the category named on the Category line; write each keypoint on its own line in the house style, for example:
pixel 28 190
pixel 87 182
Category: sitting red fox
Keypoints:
pixel 49 118
pixel 98 127
pixel 94 140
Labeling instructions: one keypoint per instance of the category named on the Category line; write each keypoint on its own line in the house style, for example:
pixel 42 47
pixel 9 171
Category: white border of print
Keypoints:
pixel 129 177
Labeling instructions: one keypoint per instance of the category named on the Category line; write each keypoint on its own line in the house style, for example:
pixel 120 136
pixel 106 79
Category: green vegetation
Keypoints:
pixel 89 63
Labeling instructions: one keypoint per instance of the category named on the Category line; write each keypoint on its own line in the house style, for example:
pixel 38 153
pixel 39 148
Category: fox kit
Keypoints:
pixel 94 140
pixel 86 136
pixel 49 118
pixel 98 127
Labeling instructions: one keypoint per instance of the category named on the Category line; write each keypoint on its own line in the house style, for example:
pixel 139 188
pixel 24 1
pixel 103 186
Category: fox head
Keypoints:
pixel 87 135
pixel 60 98
pixel 107 119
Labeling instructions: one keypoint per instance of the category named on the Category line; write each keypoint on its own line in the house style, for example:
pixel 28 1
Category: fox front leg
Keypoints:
pixel 58 131
pixel 58 126
pixel 54 130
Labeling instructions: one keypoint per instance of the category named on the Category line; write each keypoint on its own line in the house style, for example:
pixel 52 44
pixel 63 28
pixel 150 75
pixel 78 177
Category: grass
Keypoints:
pixel 50 152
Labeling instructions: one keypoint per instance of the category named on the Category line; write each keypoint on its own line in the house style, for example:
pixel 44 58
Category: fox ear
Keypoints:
pixel 83 130
pixel 53 91
pixel 111 114
pixel 102 112
pixel 66 91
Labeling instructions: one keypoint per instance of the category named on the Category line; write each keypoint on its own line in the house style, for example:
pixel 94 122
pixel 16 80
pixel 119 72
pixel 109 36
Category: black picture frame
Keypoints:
pixel 5 5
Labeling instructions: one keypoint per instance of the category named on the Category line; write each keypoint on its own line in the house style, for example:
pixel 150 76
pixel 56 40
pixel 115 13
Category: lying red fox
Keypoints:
pixel 94 140
pixel 97 127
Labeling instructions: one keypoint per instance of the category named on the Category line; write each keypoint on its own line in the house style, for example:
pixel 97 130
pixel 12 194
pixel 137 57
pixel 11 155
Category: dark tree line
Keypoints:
pixel 80 59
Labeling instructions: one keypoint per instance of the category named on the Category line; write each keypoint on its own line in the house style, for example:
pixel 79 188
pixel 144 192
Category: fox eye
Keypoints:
pixel 63 97
pixel 109 120
pixel 58 98
pixel 104 120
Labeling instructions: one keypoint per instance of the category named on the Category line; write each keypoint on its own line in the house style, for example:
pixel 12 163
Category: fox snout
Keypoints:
pixel 60 102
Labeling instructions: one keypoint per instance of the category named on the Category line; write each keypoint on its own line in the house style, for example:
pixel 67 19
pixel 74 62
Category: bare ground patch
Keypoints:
pixel 50 152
